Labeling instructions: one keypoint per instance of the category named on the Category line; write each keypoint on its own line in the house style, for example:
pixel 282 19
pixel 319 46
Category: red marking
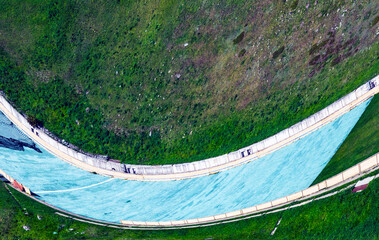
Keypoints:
pixel 18 185
pixel 360 188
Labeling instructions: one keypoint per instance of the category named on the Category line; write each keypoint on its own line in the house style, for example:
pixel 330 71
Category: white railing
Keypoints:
pixel 340 178
pixel 352 172
pixel 197 168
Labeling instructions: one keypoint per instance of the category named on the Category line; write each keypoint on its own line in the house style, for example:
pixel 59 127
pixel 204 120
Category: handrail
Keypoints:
pixel 198 168
pixel 332 182
pixel 352 172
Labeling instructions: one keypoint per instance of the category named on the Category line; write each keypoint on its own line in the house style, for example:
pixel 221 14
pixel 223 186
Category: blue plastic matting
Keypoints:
pixel 283 172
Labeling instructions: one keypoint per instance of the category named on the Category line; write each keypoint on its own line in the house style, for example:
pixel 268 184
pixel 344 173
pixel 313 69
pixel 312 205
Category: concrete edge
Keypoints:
pixel 366 166
pixel 335 181
pixel 99 165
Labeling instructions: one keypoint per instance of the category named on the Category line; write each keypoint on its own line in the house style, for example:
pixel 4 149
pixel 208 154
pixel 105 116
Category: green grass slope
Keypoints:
pixel 157 82
pixel 362 142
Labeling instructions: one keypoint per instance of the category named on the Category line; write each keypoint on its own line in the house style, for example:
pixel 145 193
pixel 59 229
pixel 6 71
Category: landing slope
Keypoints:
pixel 283 172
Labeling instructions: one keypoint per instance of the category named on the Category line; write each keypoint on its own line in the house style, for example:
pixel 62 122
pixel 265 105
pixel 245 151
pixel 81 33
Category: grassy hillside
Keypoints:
pixel 157 82
pixel 362 142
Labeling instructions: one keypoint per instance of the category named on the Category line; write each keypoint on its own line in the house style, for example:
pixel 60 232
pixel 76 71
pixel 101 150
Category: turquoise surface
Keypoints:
pixel 283 172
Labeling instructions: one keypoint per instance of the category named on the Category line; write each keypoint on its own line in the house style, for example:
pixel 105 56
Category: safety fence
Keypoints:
pixel 356 170
pixel 15 184
pixel 339 179
pixel 102 166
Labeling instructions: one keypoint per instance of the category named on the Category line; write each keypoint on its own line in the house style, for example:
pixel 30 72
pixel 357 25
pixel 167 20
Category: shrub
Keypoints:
pixel 34 122
pixel 241 53
pixel 375 21
pixel 278 52
pixel 239 38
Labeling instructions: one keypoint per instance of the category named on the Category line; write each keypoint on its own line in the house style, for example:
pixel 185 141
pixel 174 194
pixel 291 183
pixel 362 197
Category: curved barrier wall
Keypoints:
pixel 336 180
pixel 351 173
pixel 281 173
pixel 199 168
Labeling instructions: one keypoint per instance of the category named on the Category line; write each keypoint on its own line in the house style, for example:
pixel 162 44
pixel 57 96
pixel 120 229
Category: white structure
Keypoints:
pixel 100 165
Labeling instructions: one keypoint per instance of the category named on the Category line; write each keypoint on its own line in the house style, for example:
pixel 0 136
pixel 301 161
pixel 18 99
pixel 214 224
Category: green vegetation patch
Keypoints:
pixel 278 52
pixel 375 21
pixel 362 142
pixel 239 38
pixel 163 82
